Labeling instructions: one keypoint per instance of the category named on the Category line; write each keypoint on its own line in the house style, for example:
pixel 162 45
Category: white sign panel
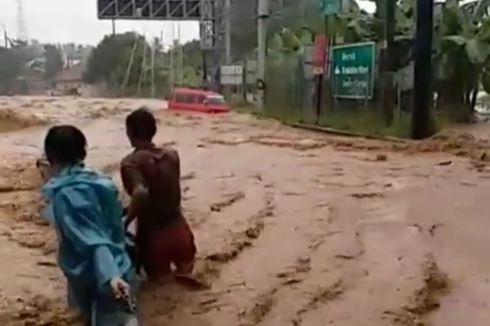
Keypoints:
pixel 232 75
pixel 251 73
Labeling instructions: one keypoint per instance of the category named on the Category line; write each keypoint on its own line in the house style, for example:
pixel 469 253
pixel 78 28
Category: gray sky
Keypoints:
pixel 64 21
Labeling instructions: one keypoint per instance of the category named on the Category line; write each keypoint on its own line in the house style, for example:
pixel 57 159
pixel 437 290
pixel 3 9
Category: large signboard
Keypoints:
pixel 151 9
pixel 330 7
pixel 353 69
pixel 232 75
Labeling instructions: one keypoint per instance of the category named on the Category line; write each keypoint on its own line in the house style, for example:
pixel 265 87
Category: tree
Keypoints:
pixel 10 68
pixel 111 59
pixel 461 47
pixel 12 63
pixel 53 61
pixel 123 63
pixel 464 55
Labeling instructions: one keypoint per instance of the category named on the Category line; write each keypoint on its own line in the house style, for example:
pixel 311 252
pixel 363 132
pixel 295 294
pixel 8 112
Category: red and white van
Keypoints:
pixel 197 100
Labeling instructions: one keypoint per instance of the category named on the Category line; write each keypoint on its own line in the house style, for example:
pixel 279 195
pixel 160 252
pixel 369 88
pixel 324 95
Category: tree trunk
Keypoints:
pixel 475 86
pixel 452 99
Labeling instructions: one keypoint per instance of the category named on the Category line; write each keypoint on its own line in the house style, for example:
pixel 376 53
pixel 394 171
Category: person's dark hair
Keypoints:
pixel 141 124
pixel 65 145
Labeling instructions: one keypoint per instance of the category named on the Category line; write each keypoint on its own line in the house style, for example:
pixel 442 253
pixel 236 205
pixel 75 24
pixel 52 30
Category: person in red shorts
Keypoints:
pixel 151 176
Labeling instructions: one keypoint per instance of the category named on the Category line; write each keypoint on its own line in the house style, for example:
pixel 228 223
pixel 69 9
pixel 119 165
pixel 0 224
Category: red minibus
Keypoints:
pixel 198 100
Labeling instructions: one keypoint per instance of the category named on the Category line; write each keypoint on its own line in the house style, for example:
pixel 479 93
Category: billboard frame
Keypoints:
pixel 176 10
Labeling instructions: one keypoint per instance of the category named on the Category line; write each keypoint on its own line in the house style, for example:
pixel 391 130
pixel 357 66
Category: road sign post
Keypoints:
pixel 319 54
pixel 329 9
pixel 319 63
pixel 353 68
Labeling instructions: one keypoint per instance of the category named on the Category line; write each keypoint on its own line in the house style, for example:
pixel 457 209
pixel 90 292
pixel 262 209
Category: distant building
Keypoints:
pixel 69 80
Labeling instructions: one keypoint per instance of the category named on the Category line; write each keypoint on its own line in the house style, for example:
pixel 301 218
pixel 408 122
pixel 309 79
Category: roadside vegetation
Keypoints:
pixel 461 60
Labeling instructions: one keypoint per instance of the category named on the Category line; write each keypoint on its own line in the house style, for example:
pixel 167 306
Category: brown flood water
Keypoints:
pixel 293 228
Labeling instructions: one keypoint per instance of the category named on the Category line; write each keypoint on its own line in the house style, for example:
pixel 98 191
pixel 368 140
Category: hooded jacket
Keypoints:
pixel 86 212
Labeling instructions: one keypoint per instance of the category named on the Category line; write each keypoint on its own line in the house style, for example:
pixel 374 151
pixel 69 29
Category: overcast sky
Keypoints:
pixel 64 21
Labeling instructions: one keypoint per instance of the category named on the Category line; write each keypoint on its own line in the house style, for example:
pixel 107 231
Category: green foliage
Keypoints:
pixel 111 58
pixel 10 67
pixel 486 81
pixel 123 62
pixel 192 54
pixel 53 61
pixel 463 53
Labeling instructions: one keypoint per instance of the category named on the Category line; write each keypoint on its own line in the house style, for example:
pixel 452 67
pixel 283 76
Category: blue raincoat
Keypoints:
pixel 86 212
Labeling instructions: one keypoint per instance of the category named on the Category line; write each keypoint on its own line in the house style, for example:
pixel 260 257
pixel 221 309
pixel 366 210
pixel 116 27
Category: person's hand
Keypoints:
pixel 43 167
pixel 130 217
pixel 127 222
pixel 120 288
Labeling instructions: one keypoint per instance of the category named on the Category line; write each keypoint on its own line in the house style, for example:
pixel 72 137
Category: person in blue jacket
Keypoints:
pixel 87 215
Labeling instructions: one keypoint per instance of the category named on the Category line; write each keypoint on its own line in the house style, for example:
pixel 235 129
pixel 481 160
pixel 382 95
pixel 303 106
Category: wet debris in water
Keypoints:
pixel 229 200
pixel 240 242
pixel 381 158
pixel 188 176
pixel 367 195
pixel 433 228
pixel 260 309
pixel 244 239
pixel 426 299
pixel 47 263
pixel 445 163
pixel 294 274
pixel 38 311
pixel 192 282
pixel 321 295
pixel 228 175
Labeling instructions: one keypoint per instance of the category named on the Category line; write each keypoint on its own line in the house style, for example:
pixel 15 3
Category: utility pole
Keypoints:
pixel 228 58
pixel 209 38
pixel 143 69
pixel 21 22
pixel 5 36
pixel 153 52
pixel 421 118
pixel 262 24
pixel 180 57
pixel 205 69
pixel 172 49
pixel 113 27
pixel 388 95
pixel 130 66
pixel 345 5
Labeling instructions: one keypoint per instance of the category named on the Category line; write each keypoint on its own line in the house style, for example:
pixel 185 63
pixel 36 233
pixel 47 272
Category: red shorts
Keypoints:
pixel 172 245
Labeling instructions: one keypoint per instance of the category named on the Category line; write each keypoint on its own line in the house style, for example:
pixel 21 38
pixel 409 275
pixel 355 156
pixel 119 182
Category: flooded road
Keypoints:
pixel 292 227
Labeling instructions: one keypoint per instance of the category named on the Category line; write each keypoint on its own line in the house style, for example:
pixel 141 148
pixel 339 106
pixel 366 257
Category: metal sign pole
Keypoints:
pixel 263 16
pixel 330 8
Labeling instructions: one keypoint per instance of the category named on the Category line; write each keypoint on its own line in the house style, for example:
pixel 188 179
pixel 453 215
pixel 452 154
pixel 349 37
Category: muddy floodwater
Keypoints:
pixel 293 227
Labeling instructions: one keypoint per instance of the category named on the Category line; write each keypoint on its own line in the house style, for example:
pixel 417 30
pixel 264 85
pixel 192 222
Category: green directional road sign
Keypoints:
pixel 352 70
pixel 330 7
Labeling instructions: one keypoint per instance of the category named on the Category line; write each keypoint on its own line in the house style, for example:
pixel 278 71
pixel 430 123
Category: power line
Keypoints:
pixel 21 23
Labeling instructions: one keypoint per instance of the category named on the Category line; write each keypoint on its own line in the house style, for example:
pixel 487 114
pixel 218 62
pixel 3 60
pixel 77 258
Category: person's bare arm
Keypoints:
pixel 138 198
pixel 134 185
